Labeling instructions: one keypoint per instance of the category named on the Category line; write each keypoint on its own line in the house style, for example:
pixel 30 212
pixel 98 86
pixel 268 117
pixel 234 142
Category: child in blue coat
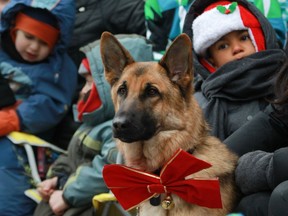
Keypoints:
pixel 34 37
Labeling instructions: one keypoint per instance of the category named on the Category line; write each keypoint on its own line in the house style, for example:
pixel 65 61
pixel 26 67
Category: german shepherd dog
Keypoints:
pixel 156 114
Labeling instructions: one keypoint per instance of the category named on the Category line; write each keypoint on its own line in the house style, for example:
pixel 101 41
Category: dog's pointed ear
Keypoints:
pixel 178 61
pixel 114 57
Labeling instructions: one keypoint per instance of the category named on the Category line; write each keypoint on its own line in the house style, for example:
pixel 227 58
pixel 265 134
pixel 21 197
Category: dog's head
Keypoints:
pixel 149 97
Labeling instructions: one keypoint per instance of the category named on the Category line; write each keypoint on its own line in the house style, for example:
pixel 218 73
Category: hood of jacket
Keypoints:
pixel 198 7
pixel 63 10
pixel 139 49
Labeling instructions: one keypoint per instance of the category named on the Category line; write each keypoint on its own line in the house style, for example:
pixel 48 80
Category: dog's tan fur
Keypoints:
pixel 163 93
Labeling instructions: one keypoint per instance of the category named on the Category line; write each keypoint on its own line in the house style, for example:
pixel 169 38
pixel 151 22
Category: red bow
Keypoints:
pixel 131 186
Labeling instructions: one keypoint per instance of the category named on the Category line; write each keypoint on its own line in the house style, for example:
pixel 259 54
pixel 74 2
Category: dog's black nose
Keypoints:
pixel 123 130
pixel 120 123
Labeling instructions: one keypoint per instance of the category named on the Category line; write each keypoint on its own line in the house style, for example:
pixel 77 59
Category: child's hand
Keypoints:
pixel 57 203
pixel 47 187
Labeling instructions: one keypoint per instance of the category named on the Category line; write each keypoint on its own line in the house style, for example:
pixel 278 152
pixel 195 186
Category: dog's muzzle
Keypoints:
pixel 131 128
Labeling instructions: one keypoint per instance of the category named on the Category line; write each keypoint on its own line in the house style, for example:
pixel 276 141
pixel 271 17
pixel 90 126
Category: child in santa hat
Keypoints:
pixel 236 55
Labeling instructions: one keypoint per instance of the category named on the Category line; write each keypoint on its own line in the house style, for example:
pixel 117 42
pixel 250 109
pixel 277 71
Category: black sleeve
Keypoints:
pixel 264 132
pixel 254 172
pixel 259 171
pixel 280 166
pixel 6 94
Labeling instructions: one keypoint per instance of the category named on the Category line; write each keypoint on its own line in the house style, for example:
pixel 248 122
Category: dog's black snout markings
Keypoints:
pixel 120 123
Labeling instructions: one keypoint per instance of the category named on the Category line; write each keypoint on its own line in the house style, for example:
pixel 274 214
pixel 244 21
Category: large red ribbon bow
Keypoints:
pixel 131 186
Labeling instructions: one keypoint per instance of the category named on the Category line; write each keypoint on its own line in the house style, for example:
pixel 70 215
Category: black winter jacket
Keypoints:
pixel 267 131
pixel 93 17
pixel 263 144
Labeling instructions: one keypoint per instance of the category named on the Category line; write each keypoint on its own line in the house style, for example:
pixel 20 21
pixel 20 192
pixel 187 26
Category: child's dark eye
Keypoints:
pixel 29 37
pixel 245 37
pixel 222 46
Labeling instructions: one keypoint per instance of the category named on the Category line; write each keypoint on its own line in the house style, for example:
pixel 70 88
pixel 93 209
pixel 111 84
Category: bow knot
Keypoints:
pixel 156 188
pixel 131 186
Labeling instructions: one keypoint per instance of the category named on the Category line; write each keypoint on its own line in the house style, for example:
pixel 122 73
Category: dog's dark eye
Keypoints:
pixel 151 92
pixel 122 91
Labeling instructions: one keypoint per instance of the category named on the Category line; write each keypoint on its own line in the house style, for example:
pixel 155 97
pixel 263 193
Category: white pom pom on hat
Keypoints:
pixel 221 18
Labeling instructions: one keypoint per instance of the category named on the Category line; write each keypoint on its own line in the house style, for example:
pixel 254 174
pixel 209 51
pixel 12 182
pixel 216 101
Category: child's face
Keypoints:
pixel 84 93
pixel 31 48
pixel 233 46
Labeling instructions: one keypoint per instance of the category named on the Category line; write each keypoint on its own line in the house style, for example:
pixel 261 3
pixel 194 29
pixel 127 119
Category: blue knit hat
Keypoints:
pixel 42 15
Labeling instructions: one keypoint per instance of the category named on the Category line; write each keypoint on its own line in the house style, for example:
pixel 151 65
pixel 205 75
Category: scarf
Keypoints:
pixel 245 80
